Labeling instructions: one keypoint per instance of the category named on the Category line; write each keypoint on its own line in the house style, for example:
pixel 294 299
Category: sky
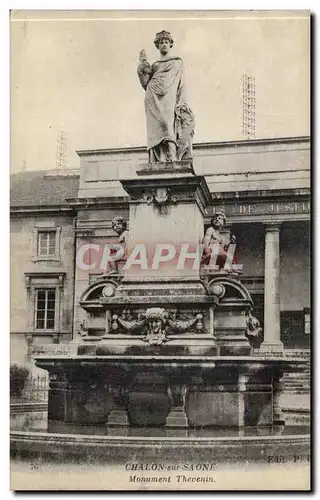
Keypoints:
pixel 76 72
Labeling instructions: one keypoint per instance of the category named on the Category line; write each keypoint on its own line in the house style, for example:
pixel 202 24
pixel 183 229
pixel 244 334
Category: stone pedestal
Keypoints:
pixel 118 418
pixel 177 396
pixel 177 419
pixel 167 208
pixel 164 249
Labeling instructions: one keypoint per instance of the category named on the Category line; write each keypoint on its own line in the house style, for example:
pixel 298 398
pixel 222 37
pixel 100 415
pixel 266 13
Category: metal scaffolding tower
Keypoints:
pixel 62 145
pixel 248 106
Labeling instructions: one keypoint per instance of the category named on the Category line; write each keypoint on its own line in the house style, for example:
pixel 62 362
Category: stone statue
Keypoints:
pixel 170 121
pixel 83 328
pixel 254 331
pixel 213 236
pixel 119 225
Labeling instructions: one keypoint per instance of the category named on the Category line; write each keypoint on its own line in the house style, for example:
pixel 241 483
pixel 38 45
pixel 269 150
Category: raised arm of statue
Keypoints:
pixel 144 69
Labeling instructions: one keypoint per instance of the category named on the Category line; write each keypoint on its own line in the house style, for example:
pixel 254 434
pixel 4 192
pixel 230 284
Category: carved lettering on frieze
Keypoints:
pixel 246 209
pixel 294 207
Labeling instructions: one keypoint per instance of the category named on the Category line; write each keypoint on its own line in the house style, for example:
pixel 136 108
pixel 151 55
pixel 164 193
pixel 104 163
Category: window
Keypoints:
pixel 46 243
pixel 45 295
pixel 45 309
pixel 293 329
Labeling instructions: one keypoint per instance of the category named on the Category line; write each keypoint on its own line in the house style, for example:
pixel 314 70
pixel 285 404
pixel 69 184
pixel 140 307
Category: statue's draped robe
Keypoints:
pixel 165 94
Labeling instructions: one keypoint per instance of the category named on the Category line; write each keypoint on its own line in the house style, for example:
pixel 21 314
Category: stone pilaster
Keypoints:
pixel 118 417
pixel 29 340
pixel 177 417
pixel 57 400
pixel 277 387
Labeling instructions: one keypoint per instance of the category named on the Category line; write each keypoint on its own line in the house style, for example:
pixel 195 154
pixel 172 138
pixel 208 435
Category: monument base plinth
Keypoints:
pixel 280 422
pixel 118 418
pixel 161 167
pixel 271 348
pixel 177 419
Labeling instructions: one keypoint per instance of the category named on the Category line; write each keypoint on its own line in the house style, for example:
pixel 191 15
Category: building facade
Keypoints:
pixel 263 186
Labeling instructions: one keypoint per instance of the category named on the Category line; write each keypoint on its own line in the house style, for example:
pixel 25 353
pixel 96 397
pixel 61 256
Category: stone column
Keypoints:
pixel 272 342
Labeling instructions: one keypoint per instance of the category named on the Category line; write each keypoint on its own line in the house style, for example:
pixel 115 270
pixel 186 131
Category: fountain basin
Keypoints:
pixel 62 442
pixel 166 391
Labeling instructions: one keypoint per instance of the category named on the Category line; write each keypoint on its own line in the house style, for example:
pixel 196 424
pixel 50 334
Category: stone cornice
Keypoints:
pixel 202 145
pixel 57 274
pixel 256 195
pixel 102 202
pixel 122 202
pixel 40 333
pixel 184 189
pixel 57 209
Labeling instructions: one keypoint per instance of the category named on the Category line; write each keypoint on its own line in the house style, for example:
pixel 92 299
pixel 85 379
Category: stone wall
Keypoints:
pixel 24 260
pixel 228 167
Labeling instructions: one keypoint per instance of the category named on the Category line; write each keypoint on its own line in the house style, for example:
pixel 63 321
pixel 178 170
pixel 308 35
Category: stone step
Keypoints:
pixel 297 393
pixel 299 380
pixel 302 390
pixel 302 386
pixel 294 388
pixel 302 378
pixel 295 417
pixel 296 382
pixel 298 353
pixel 291 383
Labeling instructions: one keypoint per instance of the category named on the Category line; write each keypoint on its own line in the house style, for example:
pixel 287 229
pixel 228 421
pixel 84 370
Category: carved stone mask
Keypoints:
pixel 155 325
pixel 161 195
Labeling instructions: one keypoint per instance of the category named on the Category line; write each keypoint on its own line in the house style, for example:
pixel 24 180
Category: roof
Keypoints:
pixel 43 188
pixel 51 188
pixel 203 145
